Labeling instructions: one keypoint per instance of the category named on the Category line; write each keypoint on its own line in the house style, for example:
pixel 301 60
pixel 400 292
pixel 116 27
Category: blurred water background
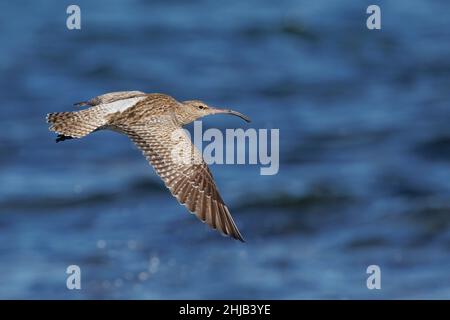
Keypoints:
pixel 364 150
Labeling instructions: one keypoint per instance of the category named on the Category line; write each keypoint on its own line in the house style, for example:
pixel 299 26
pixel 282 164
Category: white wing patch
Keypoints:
pixel 120 105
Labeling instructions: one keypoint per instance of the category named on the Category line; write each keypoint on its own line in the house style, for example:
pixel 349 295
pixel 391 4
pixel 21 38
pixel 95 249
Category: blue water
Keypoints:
pixel 364 150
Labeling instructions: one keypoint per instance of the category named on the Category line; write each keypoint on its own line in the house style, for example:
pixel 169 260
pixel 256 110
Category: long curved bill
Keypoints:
pixel 235 113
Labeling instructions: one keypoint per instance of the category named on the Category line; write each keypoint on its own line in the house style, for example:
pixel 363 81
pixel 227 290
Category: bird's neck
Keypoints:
pixel 183 117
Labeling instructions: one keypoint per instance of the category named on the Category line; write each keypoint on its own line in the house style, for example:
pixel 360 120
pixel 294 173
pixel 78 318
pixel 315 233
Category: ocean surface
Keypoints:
pixel 364 176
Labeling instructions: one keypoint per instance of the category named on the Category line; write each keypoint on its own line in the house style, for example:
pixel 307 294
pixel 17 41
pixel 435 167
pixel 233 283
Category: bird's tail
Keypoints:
pixel 75 124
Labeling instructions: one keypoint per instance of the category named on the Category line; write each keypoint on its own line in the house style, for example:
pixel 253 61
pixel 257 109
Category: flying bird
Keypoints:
pixel 154 123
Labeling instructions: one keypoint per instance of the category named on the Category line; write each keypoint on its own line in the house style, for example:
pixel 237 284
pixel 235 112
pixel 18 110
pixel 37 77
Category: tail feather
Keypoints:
pixel 74 124
pixel 62 137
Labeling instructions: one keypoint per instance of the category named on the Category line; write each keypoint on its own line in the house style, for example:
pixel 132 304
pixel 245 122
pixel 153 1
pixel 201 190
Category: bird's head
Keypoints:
pixel 195 109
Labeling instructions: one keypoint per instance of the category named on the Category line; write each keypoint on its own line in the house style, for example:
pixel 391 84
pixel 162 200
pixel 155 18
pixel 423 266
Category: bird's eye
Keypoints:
pixel 201 107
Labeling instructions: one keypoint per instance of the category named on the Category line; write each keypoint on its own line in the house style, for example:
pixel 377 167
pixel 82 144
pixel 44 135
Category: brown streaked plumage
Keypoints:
pixel 154 122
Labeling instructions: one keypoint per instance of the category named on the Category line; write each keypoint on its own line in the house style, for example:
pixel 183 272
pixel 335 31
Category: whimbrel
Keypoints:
pixel 150 121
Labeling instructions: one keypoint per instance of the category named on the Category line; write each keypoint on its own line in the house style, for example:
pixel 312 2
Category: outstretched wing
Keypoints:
pixel 180 165
pixel 110 97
